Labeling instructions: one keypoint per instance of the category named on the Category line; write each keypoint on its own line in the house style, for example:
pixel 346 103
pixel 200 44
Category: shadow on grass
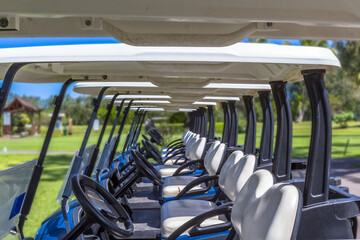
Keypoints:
pixel 55 167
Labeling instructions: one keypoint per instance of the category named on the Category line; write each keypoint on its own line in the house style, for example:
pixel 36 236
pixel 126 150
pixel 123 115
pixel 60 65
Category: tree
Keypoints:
pixel 343 118
pixel 79 109
pixel 179 117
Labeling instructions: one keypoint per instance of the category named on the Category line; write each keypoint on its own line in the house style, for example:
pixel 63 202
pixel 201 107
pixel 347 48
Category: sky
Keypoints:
pixel 44 90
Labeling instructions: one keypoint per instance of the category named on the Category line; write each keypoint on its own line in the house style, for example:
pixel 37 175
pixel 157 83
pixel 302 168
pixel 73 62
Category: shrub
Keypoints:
pixel 179 117
pixel 343 118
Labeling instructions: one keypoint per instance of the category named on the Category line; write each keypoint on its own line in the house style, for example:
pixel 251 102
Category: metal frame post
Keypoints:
pixel 191 121
pixel 233 135
pixel 283 146
pixel 35 177
pixel 129 135
pixel 250 135
pixel 211 131
pixel 134 130
pixel 118 111
pixel 203 117
pixel 78 159
pixel 97 147
pixel 196 122
pixel 140 127
pixel 225 134
pixel 318 166
pixel 267 134
pixel 125 114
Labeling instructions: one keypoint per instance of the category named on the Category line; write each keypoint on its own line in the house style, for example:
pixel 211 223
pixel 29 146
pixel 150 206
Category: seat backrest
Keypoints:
pixel 229 163
pixel 184 135
pixel 189 137
pixel 197 149
pixel 213 145
pixel 271 213
pixel 238 170
pixel 212 159
pixel 258 183
pixel 190 143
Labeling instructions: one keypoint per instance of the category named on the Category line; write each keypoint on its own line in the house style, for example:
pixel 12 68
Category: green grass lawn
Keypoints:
pixel 56 166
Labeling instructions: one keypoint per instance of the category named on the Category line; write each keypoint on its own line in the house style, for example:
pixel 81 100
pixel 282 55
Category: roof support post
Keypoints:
pixel 205 122
pixel 225 134
pixel 118 111
pixel 95 154
pixel 195 121
pixel 250 135
pixel 125 114
pixel 233 134
pixel 129 135
pixel 191 122
pixel 7 82
pixel 78 159
pixel 140 127
pixel 211 131
pixel 198 122
pixel 283 146
pixel 267 134
pixel 35 177
pixel 203 117
pixel 318 166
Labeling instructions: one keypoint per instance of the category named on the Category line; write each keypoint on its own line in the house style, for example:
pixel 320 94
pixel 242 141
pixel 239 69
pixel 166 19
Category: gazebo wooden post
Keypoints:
pixel 39 123
pixel 32 123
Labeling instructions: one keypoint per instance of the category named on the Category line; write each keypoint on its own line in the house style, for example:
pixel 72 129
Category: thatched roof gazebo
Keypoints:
pixel 19 105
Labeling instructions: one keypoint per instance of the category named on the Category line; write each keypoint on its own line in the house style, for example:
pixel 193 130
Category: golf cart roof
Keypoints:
pixel 171 106
pixel 239 63
pixel 183 23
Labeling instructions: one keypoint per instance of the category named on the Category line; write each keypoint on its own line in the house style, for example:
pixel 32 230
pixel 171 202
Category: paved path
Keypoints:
pixel 38 152
pixel 348 169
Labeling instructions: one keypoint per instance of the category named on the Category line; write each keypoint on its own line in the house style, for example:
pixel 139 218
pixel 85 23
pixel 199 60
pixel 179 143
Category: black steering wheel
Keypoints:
pixel 155 137
pixel 101 207
pixel 145 137
pixel 153 151
pixel 146 168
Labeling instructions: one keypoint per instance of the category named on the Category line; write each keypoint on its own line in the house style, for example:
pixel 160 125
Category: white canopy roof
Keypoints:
pixel 184 74
pixel 183 23
pixel 165 66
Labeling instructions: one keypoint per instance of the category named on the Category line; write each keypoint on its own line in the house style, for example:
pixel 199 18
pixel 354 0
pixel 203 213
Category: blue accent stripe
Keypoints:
pixel 17 206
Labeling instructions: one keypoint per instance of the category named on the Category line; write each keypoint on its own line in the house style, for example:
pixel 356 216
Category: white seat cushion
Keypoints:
pixel 212 159
pixel 176 213
pixel 197 149
pixel 188 137
pixel 271 216
pixel 173 185
pixel 187 132
pixel 190 144
pixel 233 180
pixel 258 183
pixel 169 170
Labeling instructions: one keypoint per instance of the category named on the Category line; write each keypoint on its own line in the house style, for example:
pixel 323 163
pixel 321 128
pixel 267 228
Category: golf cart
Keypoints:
pixel 280 68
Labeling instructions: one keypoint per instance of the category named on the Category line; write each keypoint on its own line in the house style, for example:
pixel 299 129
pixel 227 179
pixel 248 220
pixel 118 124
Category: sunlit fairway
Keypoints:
pixel 56 166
